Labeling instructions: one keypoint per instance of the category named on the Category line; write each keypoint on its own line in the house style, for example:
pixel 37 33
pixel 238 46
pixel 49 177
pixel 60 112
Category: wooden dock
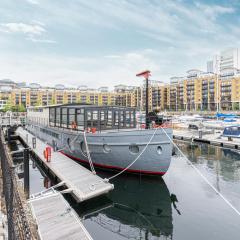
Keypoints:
pixel 212 139
pixel 56 219
pixel 81 182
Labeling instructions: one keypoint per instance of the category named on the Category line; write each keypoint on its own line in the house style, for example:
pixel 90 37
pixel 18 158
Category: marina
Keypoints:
pixel 120 120
pixel 140 206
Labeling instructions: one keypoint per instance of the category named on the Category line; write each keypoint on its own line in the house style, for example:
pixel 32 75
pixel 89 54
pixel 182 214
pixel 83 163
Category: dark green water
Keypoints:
pixel 181 205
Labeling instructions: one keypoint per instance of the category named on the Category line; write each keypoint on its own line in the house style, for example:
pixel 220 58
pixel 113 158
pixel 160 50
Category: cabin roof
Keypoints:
pixel 81 105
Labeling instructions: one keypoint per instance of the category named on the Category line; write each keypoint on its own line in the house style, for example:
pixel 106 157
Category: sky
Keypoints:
pixel 106 42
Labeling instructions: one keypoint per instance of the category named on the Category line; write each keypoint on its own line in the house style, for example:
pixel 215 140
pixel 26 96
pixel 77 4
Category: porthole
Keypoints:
pixel 159 150
pixel 106 148
pixel 134 149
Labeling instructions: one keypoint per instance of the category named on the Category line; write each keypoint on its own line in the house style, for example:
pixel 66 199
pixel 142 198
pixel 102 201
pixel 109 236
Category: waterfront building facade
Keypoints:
pixel 217 89
pixel 197 91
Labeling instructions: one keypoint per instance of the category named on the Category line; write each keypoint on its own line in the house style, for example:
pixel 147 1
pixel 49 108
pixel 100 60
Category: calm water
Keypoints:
pixel 181 205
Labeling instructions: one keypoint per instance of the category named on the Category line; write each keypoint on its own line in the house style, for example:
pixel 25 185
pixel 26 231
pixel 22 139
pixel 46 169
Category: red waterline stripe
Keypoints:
pixel 114 167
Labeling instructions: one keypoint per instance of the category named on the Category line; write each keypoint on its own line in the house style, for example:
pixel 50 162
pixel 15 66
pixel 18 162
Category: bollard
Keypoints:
pixel 26 172
pixel 27 138
pixel 9 134
pixel 54 144
pixel 34 164
pixel 34 142
pixel 200 134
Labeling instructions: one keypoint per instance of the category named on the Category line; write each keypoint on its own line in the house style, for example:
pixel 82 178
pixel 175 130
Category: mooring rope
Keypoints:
pixel 199 172
pixel 70 142
pixel 93 185
pixel 88 153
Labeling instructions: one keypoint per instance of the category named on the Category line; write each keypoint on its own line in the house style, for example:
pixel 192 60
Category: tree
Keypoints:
pixel 21 108
pixel 7 107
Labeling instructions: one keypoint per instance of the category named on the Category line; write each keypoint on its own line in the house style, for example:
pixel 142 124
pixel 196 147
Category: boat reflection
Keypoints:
pixel 138 208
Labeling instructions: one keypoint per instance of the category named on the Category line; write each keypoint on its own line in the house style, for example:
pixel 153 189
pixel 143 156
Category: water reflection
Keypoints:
pixel 221 162
pixel 38 178
pixel 138 208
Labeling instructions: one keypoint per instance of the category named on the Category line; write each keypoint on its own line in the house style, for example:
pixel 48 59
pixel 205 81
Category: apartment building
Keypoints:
pixel 214 90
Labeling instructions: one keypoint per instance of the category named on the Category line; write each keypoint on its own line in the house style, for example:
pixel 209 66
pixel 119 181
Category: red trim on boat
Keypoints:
pixel 114 167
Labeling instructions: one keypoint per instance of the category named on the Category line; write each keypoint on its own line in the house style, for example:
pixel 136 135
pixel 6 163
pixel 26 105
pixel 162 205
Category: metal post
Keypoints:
pixel 147 120
pixel 26 172
pixel 27 138
pixel 34 142
pixel 9 135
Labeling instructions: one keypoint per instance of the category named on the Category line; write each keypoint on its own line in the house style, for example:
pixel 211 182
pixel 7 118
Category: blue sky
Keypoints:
pixel 106 42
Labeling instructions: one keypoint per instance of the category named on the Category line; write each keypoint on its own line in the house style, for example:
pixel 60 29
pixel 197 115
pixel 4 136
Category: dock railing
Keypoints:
pixel 21 225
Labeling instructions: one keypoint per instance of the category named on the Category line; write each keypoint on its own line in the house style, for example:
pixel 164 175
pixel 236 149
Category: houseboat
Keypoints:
pixel 109 134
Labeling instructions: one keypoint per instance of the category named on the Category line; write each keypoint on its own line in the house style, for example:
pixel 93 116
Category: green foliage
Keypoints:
pixel 53 102
pixel 14 108
pixel 236 106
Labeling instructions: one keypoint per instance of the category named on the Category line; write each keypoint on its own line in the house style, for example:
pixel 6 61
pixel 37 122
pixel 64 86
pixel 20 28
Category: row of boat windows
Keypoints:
pixel 48 132
pixel 102 119
pixel 133 148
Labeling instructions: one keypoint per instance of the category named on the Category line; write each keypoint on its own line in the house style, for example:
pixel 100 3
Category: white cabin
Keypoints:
pixel 38 115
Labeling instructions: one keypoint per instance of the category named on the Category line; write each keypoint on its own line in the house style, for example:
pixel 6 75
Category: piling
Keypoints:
pixel 26 172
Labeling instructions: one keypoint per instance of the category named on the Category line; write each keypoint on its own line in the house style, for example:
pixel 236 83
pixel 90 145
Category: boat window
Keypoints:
pixel 234 128
pixel 64 120
pixel 72 111
pixel 122 118
pixel 80 119
pixel 71 117
pixel 106 148
pixel 134 148
pixel 52 116
pixel 64 110
pixel 102 115
pixel 95 115
pixel 116 120
pixel 64 117
pixel 109 119
pixel 58 116
pixel 89 115
pixel 80 111
pixel 159 150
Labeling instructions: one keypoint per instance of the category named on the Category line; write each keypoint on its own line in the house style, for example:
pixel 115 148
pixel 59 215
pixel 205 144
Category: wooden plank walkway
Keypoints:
pixel 211 139
pixel 56 219
pixel 83 183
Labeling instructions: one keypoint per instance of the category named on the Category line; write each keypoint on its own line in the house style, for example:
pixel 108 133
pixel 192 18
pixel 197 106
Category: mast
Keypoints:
pixel 146 75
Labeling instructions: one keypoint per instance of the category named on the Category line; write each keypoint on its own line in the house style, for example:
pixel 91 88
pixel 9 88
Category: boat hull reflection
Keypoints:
pixel 140 208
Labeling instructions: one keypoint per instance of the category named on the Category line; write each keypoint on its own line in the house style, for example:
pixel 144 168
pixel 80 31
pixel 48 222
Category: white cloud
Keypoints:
pixel 39 40
pixel 34 2
pixel 214 10
pixel 94 72
pixel 181 35
pixel 30 29
pixel 33 31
